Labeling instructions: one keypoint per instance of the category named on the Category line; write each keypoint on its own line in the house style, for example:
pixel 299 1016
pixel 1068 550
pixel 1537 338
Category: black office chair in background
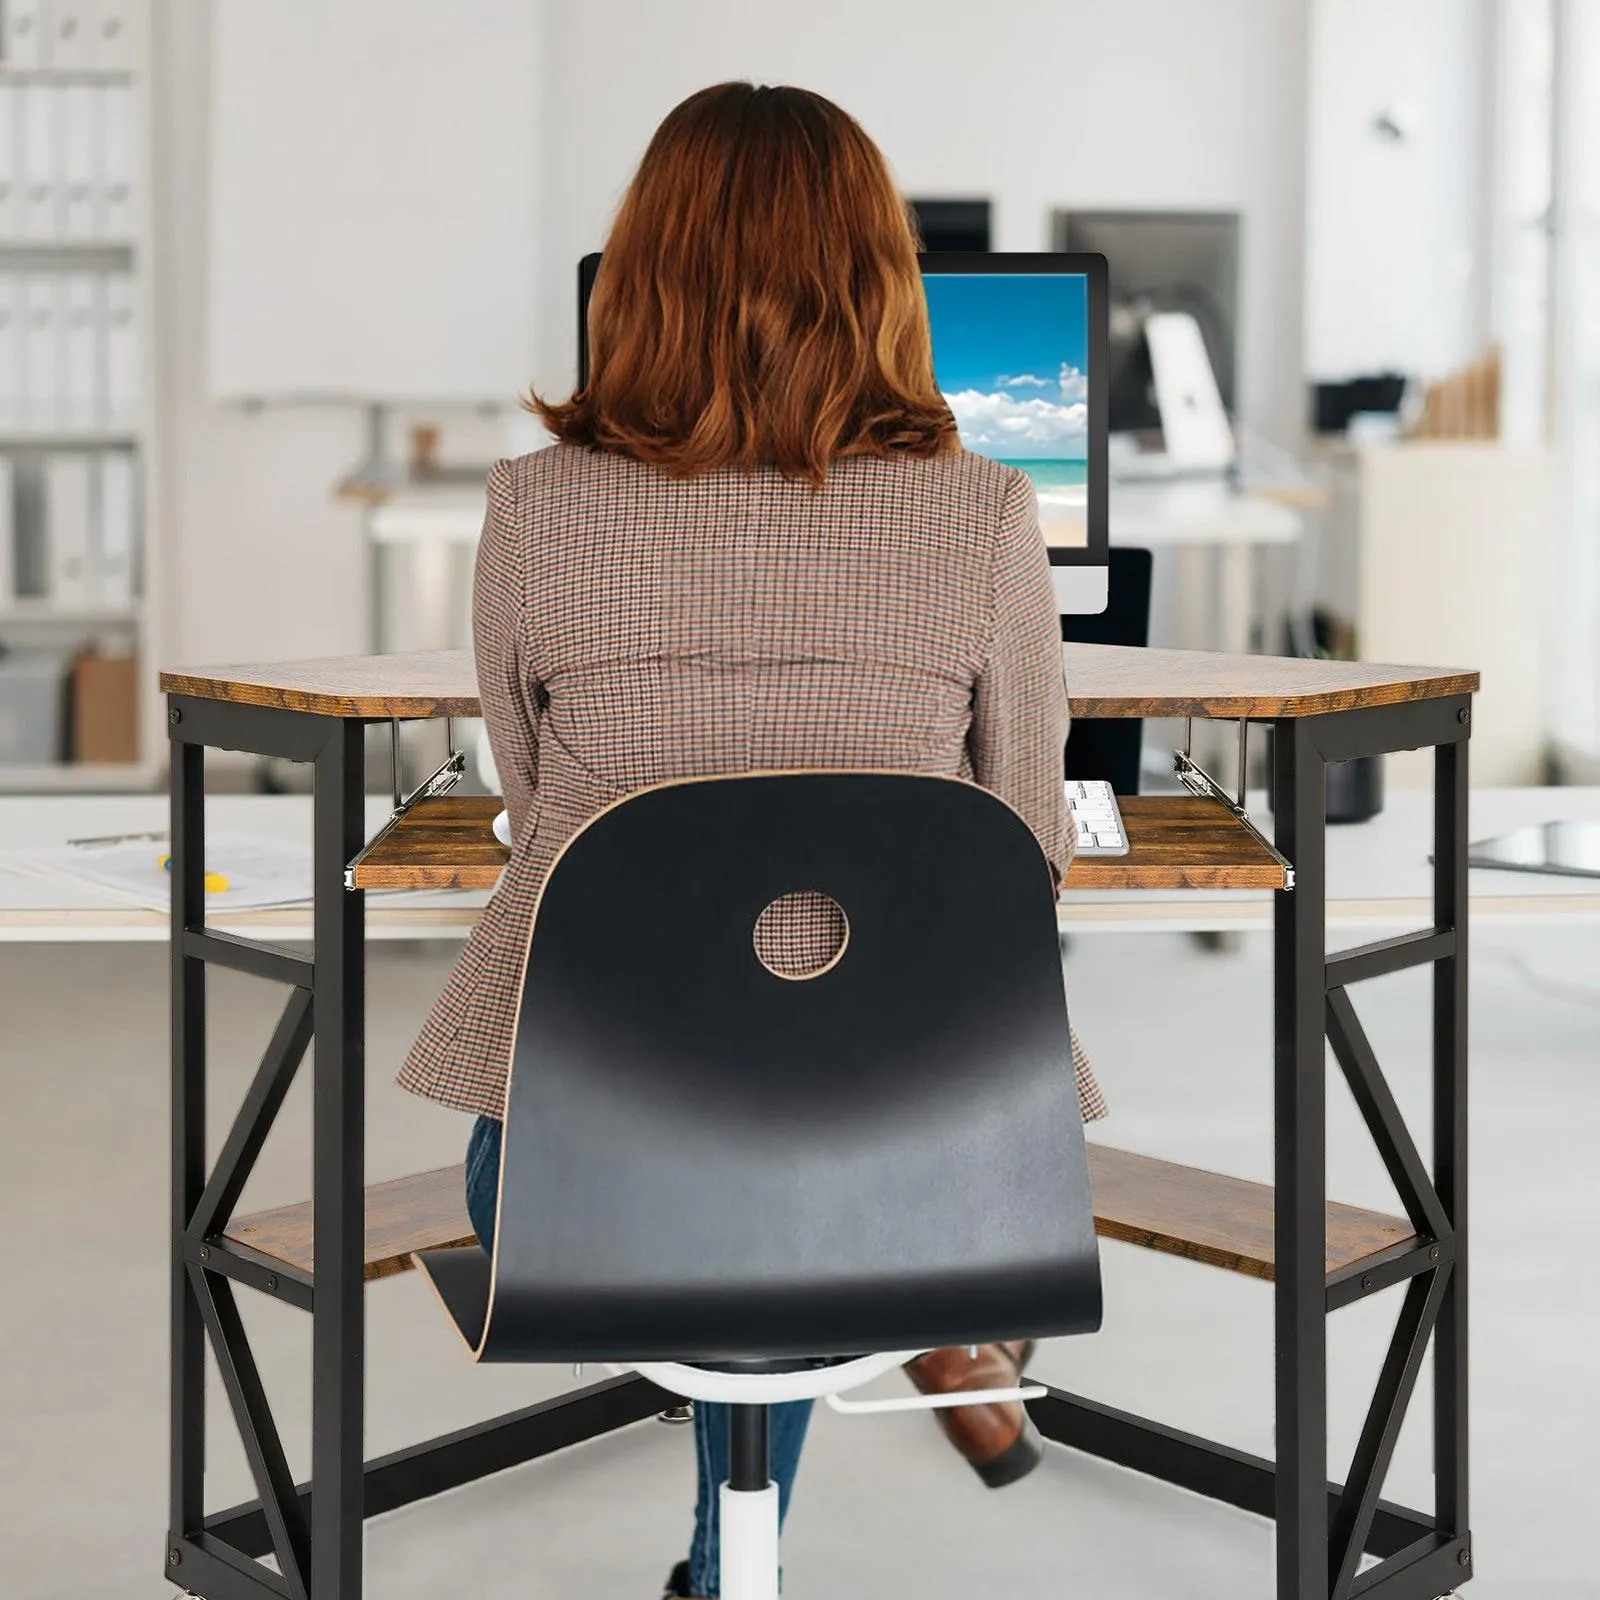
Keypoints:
pixel 756 1186
pixel 1109 748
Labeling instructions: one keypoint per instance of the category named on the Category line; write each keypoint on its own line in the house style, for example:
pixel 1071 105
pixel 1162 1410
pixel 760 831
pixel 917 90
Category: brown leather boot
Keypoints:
pixel 999 1441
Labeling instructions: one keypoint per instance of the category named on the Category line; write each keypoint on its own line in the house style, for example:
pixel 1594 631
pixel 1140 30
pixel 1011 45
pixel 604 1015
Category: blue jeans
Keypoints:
pixel 788 1421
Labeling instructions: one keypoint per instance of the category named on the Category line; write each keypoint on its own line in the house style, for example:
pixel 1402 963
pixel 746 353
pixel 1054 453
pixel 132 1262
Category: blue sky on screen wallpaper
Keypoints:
pixel 1010 351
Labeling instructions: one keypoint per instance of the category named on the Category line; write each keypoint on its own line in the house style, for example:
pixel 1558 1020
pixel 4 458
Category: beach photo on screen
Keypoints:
pixel 1010 353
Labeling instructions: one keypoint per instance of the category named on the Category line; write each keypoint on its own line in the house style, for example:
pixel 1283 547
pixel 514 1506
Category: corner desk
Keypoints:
pixel 1333 1540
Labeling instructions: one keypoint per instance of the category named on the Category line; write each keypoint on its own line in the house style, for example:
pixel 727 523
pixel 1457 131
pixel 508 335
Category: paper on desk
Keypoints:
pixel 262 871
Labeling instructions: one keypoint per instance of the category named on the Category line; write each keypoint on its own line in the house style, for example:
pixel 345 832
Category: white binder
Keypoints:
pixel 120 351
pixel 10 161
pixel 116 161
pixel 11 386
pixel 80 159
pixel 8 535
pixel 116 541
pixel 24 41
pixel 40 158
pixel 114 43
pixel 80 317
pixel 41 351
pixel 68 513
pixel 72 34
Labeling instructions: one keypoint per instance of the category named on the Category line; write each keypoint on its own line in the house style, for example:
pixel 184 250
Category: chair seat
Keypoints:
pixel 774 1365
pixel 461 1278
pixel 735 1383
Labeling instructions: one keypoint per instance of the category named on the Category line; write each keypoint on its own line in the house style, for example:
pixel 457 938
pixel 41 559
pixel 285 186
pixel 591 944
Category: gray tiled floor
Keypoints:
pixel 883 1509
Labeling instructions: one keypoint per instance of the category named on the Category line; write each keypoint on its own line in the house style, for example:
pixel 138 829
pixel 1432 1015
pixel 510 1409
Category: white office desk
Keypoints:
pixel 34 908
pixel 1198 511
pixel 1378 875
pixel 1217 529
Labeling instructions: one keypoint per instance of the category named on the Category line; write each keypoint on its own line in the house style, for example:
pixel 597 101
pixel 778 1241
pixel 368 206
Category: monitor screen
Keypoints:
pixel 1011 356
pixel 1019 352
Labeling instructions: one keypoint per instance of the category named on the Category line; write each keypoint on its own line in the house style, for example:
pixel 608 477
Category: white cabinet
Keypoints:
pixel 1453 569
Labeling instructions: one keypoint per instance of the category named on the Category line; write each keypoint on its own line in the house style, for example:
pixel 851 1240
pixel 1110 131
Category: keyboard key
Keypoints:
pixel 1093 808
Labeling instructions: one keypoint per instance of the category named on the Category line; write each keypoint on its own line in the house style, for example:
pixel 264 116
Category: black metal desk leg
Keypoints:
pixel 1450 1132
pixel 187 1392
pixel 338 1164
pixel 1300 1161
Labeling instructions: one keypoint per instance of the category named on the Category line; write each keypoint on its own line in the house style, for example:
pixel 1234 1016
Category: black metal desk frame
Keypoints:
pixel 314 1530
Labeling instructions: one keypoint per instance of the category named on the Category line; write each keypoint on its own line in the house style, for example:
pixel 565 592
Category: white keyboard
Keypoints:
pixel 1094 809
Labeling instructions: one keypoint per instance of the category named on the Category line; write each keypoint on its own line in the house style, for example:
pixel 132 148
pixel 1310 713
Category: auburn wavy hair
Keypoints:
pixel 758 302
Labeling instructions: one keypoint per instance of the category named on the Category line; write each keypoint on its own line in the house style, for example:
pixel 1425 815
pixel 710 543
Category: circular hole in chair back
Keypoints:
pixel 801 935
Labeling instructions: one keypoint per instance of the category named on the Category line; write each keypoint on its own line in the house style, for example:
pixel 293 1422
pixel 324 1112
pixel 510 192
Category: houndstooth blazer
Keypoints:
pixel 631 628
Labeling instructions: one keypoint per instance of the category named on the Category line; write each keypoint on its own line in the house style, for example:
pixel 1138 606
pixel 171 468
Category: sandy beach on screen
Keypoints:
pixel 1064 517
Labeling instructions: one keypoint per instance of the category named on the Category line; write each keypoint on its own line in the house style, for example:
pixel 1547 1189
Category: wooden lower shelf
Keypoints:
pixel 424 1211
pixel 1207 1217
pixel 1219 1220
pixel 1174 842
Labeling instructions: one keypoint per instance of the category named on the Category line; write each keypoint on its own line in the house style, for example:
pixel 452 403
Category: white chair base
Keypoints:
pixel 749 1518
pixel 749 1543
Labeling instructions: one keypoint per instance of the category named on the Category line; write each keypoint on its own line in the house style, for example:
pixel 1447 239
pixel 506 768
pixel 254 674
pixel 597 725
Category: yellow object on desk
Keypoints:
pixel 216 883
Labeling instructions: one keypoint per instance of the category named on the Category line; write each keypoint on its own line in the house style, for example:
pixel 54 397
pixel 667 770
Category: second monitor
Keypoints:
pixel 1019 353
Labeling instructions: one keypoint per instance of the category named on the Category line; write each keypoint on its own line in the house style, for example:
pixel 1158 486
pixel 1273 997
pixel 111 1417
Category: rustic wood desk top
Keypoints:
pixel 1102 680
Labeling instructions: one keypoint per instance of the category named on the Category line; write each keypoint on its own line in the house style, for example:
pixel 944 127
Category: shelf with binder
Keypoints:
pixel 67 159
pixel 78 457
pixel 73 439
pixel 73 37
pixel 64 76
pixel 67 254
pixel 70 355
pixel 70 534
pixel 39 611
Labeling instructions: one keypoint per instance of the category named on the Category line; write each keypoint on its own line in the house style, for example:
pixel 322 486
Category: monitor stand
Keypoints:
pixel 1081 591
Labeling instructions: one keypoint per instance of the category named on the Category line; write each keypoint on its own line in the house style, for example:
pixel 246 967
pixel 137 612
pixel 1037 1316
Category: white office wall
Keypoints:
pixel 393 142
pixel 1037 103
pixel 1397 268
pixel 258 563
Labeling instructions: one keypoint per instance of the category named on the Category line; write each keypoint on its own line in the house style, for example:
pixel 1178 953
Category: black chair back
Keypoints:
pixel 705 1161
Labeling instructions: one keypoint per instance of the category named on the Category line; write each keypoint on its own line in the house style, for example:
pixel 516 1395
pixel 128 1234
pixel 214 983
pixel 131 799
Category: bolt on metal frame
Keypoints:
pixel 314 1529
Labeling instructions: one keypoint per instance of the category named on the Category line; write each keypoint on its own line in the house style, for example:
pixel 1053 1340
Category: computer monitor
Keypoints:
pixel 1160 261
pixel 1019 344
pixel 952 224
pixel 1019 351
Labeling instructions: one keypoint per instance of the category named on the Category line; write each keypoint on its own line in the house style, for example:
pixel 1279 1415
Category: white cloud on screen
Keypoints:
pixel 1073 383
pixel 1002 425
pixel 1023 380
